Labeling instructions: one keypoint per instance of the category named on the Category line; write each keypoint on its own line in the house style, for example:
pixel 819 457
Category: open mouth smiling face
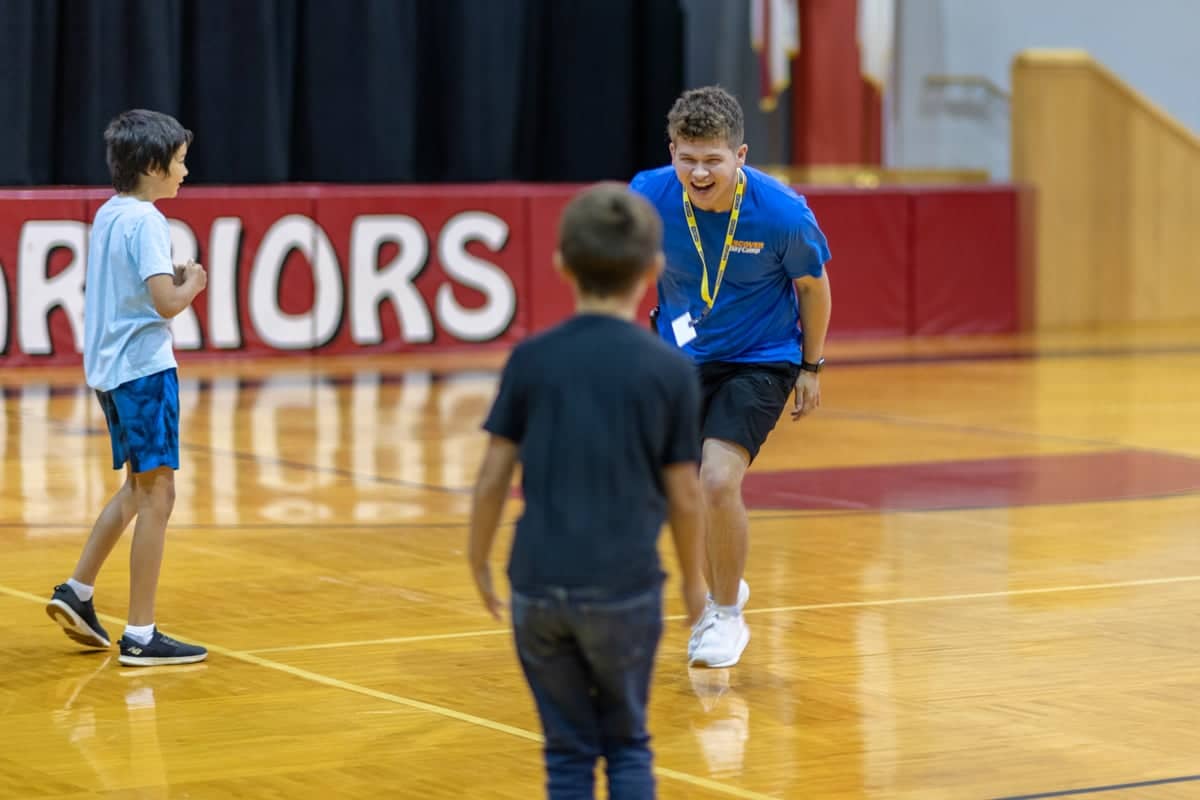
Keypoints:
pixel 709 171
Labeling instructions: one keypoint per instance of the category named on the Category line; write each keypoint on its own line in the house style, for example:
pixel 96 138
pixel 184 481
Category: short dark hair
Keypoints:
pixel 707 114
pixel 609 237
pixel 138 141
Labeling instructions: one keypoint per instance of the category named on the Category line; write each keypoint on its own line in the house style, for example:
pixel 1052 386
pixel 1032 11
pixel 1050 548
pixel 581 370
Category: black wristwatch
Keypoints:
pixel 808 366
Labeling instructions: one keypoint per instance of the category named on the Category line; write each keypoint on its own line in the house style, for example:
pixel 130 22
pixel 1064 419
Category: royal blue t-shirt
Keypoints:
pixel 756 316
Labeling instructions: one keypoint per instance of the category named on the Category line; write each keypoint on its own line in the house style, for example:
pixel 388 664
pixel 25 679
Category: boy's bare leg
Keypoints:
pixel 154 492
pixel 108 528
pixel 722 467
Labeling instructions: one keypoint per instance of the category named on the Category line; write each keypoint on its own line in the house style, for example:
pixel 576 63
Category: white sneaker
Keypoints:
pixel 721 641
pixel 742 598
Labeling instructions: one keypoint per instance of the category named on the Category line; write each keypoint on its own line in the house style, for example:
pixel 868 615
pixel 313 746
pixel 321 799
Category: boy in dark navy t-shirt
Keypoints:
pixel 604 419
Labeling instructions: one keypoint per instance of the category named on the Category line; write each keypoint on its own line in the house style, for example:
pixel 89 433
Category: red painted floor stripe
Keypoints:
pixel 982 483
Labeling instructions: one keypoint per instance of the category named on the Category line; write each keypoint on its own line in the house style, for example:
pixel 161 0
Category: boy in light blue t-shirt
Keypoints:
pixel 132 291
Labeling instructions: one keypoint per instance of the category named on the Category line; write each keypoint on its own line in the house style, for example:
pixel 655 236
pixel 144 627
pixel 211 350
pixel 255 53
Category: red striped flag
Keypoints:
pixel 775 36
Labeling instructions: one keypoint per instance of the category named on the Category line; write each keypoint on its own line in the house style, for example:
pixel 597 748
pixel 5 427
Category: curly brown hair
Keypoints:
pixel 707 114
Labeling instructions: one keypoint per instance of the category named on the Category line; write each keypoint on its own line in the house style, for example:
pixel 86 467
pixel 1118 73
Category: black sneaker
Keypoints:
pixel 78 618
pixel 160 650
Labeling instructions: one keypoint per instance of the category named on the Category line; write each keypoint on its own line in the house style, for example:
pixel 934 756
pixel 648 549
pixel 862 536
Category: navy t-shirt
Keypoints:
pixel 598 407
pixel 755 316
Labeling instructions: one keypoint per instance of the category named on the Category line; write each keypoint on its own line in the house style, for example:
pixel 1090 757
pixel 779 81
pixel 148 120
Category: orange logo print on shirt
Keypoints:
pixel 750 248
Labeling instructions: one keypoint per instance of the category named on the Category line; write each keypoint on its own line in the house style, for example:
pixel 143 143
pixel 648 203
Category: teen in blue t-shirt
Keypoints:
pixel 745 295
pixel 776 241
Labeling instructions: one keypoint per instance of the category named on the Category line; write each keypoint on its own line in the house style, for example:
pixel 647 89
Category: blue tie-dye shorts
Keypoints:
pixel 143 421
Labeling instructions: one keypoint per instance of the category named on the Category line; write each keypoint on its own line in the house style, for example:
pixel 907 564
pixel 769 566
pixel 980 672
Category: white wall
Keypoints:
pixel 1154 45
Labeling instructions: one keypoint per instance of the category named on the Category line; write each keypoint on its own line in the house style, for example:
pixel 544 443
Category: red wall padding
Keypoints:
pixel 868 238
pixel 398 268
pixel 964 262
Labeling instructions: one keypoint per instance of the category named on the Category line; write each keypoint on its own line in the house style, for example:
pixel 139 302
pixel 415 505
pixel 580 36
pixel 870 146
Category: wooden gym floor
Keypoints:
pixel 975 574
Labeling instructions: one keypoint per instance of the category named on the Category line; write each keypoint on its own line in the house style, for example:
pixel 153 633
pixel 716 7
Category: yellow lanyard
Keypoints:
pixel 709 299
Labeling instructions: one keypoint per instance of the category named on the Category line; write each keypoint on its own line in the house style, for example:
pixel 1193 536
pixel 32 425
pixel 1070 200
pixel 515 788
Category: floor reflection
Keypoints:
pixel 721 724
pixel 280 449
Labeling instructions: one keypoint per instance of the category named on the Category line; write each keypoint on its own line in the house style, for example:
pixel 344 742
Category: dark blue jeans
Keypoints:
pixel 589 657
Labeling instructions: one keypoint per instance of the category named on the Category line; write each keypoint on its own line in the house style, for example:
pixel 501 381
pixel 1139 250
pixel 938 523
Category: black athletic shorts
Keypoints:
pixel 741 403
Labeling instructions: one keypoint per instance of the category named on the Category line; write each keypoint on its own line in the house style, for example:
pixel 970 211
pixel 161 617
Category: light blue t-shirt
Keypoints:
pixel 756 316
pixel 124 337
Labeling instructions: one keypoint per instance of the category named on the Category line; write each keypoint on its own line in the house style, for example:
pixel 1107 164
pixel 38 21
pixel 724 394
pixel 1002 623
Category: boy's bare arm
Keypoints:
pixel 685 512
pixel 487 502
pixel 173 293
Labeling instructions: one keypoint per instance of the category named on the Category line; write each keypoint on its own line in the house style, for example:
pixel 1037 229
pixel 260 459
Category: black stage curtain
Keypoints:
pixel 344 90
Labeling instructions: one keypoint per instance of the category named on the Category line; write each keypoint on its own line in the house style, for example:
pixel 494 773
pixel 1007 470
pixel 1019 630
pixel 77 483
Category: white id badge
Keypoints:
pixel 684 330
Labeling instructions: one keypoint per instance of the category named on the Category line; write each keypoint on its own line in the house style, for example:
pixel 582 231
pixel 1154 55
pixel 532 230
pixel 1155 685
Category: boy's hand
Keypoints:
pixel 487 593
pixel 184 272
pixel 195 271
pixel 695 596
pixel 181 272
